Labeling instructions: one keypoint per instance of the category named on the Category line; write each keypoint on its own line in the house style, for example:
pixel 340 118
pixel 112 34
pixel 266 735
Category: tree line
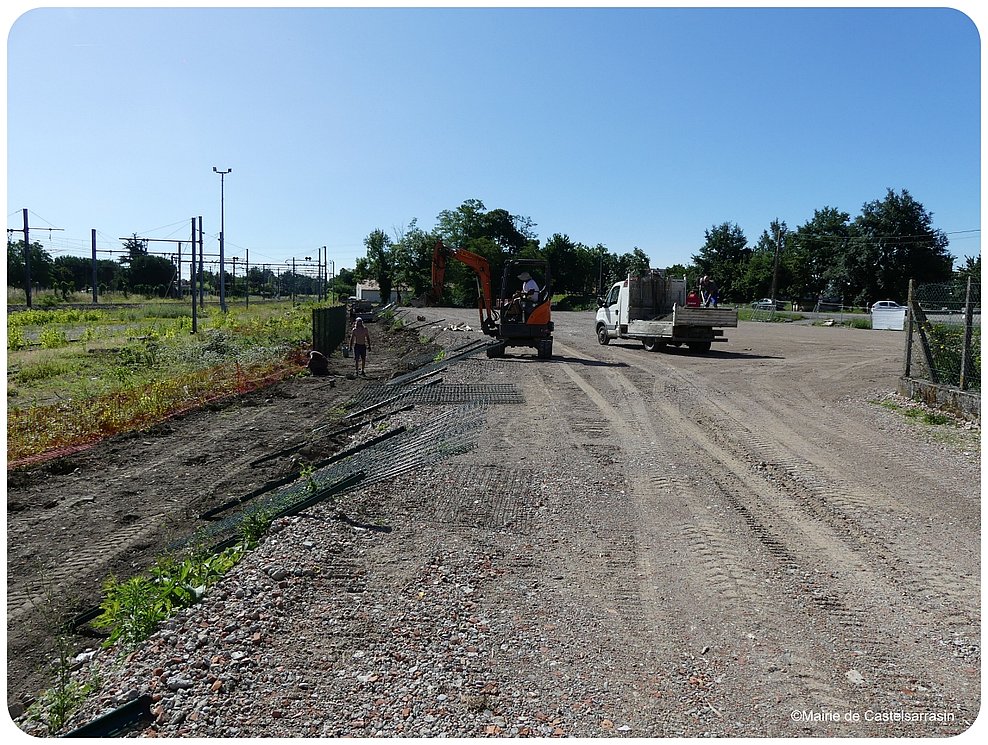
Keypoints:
pixel 140 272
pixel 831 256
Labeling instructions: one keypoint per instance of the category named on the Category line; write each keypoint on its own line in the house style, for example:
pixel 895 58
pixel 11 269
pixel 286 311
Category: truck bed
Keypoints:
pixel 681 316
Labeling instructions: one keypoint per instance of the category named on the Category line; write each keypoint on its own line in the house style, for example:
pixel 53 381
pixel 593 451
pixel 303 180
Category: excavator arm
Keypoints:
pixel 480 266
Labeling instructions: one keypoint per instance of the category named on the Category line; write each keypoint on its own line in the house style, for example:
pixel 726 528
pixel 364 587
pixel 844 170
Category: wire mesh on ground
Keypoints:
pixel 446 434
pixel 453 355
pixel 443 393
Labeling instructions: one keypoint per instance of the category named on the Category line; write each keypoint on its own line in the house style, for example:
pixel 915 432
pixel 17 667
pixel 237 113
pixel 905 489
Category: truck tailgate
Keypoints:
pixel 724 317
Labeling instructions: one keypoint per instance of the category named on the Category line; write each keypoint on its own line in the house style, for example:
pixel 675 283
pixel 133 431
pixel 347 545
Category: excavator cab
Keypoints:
pixel 525 307
pixel 520 315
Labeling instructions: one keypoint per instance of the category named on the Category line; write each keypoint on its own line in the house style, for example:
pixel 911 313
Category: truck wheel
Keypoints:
pixel 602 337
pixel 699 346
pixel 652 344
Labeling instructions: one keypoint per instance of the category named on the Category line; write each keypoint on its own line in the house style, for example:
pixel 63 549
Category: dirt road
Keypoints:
pixel 738 543
pixel 825 558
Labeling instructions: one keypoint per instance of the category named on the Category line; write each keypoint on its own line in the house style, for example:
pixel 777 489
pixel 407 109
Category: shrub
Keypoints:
pixel 52 338
pixel 16 340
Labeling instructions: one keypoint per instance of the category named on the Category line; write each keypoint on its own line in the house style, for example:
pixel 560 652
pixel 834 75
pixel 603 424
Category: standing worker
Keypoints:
pixel 708 290
pixel 360 344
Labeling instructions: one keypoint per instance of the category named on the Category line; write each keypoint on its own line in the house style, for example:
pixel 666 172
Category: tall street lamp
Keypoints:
pixel 222 238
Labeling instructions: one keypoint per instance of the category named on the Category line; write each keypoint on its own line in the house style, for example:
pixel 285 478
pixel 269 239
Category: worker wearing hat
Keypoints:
pixel 529 289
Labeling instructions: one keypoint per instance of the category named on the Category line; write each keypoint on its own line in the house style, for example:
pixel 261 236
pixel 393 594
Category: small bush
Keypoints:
pixel 52 338
pixel 42 370
pixel 16 340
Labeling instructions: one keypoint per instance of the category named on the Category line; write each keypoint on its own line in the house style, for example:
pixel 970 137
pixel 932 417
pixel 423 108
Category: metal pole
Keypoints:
pixel 247 276
pixel 322 274
pixel 909 332
pixel 192 279
pixel 966 349
pixel 27 261
pixel 202 281
pixel 222 235
pixel 95 289
pixel 775 262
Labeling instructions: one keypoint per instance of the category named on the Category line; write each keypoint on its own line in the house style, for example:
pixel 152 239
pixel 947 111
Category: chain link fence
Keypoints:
pixel 944 334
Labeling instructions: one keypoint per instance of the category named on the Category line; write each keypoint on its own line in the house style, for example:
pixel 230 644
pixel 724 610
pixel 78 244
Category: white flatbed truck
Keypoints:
pixel 654 309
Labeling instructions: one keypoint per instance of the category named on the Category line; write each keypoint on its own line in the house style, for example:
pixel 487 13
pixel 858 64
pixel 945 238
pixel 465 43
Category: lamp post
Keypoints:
pixel 222 237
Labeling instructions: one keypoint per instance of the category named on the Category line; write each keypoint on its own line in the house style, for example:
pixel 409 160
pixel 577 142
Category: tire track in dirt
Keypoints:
pixel 712 567
pixel 862 518
pixel 793 527
pixel 59 579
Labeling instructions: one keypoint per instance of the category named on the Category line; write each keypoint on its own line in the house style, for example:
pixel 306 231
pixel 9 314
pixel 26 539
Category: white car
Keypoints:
pixel 886 305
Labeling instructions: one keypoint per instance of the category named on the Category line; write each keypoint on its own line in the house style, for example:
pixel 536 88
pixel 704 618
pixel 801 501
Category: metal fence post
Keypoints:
pixel 966 347
pixel 909 331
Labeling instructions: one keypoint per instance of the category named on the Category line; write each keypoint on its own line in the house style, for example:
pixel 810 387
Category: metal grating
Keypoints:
pixel 443 393
pixel 448 433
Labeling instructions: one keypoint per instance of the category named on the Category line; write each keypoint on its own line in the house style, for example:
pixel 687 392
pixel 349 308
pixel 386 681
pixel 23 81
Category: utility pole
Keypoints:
pixel 222 236
pixel 202 278
pixel 192 279
pixel 247 277
pixel 775 265
pixel 95 289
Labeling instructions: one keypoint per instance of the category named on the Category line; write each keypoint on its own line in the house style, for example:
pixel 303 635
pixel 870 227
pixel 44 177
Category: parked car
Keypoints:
pixel 886 305
pixel 766 303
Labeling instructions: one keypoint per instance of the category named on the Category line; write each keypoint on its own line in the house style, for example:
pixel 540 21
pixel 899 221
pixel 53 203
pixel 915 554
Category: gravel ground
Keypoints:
pixel 603 562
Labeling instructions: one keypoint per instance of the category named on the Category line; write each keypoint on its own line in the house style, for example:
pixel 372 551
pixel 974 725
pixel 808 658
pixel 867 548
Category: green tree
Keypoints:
pixel 893 241
pixel 971 270
pixel 816 248
pixel 150 274
pixel 724 256
pixel 378 264
pixel 772 262
pixel 412 255
pixel 75 270
pixel 344 284
pixel 494 235
pixel 109 274
pixel 635 262
pixel 42 265
pixel 566 263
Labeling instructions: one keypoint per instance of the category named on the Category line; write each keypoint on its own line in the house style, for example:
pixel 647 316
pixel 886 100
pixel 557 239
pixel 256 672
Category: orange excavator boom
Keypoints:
pixel 481 268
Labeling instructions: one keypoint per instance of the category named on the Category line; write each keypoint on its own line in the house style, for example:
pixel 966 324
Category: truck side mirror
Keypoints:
pixel 600 302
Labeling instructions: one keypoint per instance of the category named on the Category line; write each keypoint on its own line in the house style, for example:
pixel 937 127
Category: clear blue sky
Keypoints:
pixel 627 127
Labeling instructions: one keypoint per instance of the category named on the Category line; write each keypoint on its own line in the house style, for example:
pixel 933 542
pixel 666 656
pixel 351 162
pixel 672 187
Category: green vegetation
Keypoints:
pixel 919 414
pixel 946 342
pixel 133 608
pixel 54 706
pixel 76 376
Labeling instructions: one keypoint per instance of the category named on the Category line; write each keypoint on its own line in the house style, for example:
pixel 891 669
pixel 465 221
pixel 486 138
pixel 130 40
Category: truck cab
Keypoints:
pixel 653 308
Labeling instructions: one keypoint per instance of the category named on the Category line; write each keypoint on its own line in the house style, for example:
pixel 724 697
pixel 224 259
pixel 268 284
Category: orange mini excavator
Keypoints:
pixel 515 319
